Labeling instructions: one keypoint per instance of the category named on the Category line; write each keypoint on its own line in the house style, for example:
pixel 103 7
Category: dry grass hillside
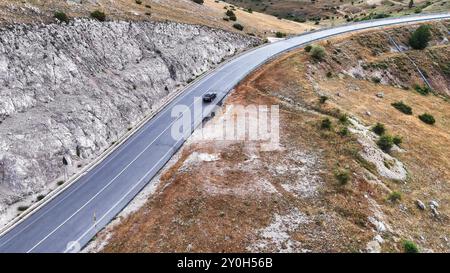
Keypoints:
pixel 328 187
pixel 329 12
pixel 184 11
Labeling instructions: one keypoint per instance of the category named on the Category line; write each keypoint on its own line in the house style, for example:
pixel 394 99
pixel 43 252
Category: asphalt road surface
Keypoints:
pixel 73 217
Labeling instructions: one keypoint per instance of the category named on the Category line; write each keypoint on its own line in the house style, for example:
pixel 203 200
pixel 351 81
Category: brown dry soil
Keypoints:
pixel 209 14
pixel 243 198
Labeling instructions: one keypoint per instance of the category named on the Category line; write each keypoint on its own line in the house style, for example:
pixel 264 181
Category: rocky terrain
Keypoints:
pixel 329 186
pixel 71 90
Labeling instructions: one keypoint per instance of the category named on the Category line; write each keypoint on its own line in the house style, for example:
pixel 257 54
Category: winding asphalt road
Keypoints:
pixel 107 188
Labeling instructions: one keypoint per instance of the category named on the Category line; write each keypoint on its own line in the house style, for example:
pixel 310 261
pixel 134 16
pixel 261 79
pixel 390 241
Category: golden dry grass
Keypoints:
pixel 210 14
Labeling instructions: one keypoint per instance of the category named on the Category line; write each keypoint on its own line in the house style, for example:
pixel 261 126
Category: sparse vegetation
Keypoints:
pixel 61 16
pixel 98 15
pixel 427 118
pixel 402 107
pixel 423 90
pixel 397 140
pixel 22 208
pixel 385 142
pixel 420 38
pixel 342 176
pixel 379 129
pixel 317 52
pixel 326 124
pixel 280 34
pixel 410 247
pixel 323 99
pixel 40 197
pixel 238 26
pixel 395 196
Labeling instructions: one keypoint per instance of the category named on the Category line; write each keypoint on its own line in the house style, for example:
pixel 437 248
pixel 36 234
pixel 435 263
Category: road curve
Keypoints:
pixel 107 188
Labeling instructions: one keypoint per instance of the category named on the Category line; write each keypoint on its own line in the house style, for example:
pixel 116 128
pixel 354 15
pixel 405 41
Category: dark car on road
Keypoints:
pixel 209 97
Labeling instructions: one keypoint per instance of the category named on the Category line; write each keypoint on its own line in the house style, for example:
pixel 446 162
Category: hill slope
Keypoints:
pixel 326 189
pixel 182 11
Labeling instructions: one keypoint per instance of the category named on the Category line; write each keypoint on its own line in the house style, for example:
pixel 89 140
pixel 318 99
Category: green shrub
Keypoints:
pixel 402 107
pixel 61 16
pixel 410 247
pixel 397 140
pixel 308 48
pixel 420 38
pixel 343 119
pixel 317 52
pixel 40 197
pixel 323 99
pixel 395 196
pixel 98 15
pixel 342 176
pixel 385 143
pixel 376 80
pixel 423 90
pixel 427 118
pixel 230 13
pixel 238 26
pixel 344 131
pixel 22 208
pixel 280 34
pixel 379 129
pixel 326 124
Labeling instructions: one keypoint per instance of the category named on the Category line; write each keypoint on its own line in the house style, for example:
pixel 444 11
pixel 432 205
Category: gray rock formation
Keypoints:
pixel 71 90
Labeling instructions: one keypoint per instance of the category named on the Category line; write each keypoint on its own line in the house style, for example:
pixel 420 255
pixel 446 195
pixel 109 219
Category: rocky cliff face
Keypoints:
pixel 72 90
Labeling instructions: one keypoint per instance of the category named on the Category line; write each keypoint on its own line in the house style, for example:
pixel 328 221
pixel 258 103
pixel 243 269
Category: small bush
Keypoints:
pixel 308 48
pixel 379 129
pixel 397 140
pixel 326 124
pixel 280 34
pixel 198 1
pixel 323 99
pixel 427 118
pixel 60 183
pixel 317 52
pixel 376 80
pixel 423 90
pixel 61 16
pixel 230 13
pixel 22 208
pixel 395 196
pixel 344 131
pixel 343 119
pixel 238 26
pixel 98 15
pixel 410 247
pixel 420 38
pixel 402 107
pixel 342 176
pixel 139 2
pixel 386 142
pixel 40 197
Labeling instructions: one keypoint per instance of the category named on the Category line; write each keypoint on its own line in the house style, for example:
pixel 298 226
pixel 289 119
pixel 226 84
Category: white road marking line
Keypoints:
pixel 178 99
pixel 110 182
pixel 125 195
